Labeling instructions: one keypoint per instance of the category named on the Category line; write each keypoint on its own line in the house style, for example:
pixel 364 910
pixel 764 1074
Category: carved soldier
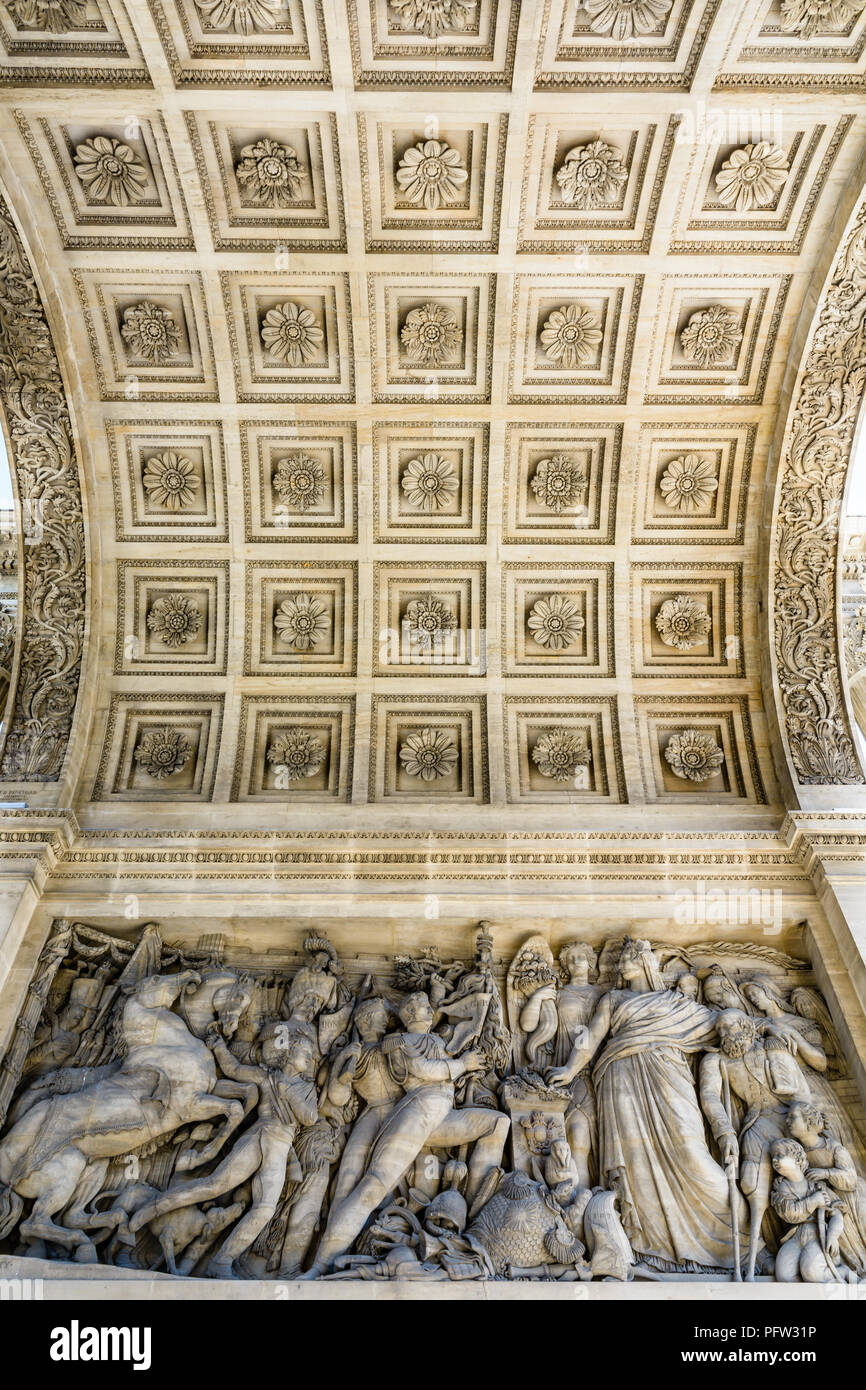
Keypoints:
pixel 765 1076
pixel 425 1115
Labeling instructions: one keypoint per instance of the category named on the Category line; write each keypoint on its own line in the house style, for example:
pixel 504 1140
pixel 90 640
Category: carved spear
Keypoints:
pixel 733 1191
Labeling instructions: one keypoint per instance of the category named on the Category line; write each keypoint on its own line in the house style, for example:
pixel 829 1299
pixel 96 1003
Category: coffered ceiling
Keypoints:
pixel 425 358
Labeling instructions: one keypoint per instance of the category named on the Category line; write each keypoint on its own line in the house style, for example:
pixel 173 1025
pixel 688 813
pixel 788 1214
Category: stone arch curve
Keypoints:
pixel 805 639
pixel 45 467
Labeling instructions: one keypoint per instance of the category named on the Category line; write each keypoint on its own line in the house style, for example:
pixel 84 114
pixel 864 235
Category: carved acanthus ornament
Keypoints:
pixel 52 585
pixel 296 754
pixel 855 640
pixel 626 19
pixel 271 173
pixel 812 472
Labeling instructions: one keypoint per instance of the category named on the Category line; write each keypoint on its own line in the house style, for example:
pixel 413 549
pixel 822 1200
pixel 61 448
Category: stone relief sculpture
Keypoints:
pixel 638 1111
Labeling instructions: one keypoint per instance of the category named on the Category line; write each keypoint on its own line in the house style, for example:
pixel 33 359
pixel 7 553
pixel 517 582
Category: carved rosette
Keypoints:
pixel 53 584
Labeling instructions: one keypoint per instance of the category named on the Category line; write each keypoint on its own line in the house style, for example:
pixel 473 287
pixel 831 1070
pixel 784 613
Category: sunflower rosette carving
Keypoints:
pixel 683 623
pixel 752 177
pixel 291 334
pixel 554 622
pixel 431 173
pixel 170 480
pixel 302 621
pixel 570 336
pixel 430 483
pixel 688 483
pixel 428 754
pixel 110 171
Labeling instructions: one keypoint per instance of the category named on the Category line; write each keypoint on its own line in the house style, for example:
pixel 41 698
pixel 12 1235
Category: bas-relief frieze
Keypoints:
pixel 637 1112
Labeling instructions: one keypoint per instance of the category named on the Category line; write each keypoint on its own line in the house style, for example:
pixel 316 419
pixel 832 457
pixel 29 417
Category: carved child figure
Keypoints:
pixel 811 1248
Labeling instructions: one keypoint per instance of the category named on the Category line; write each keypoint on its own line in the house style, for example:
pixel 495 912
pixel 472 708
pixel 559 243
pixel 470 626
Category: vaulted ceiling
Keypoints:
pixel 424 360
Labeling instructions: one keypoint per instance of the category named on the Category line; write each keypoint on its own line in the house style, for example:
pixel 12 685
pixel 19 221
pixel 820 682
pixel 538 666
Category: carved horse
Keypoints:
pixel 166 1079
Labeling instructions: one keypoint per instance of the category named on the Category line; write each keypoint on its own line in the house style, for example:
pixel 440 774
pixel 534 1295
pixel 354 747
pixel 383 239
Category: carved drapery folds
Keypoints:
pixel 52 585
pixel 583 1114
pixel 812 479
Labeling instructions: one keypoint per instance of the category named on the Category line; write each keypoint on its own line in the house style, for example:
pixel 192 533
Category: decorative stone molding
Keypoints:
pixel 53 581
pixel 814 462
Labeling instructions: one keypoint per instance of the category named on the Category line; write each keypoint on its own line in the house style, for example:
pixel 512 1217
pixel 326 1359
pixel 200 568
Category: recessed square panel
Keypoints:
pixel 272 185
pixel 468 43
pixel 687 620
pixel 561 483
pixel 149 335
pixel 281 45
pixel 431 337
pixel 753 184
pixel 293 750
pixel 430 482
pixel 692 483
pixel 557 619
pixel 168 480
pixel 40 46
pixel 714 339
pixel 111 184
pixel 589 188
pixel 698 748
pixel 299 480
pixel 291 339
pixel 430 619
pixel 654 45
pixel 563 750
pixel 820 47
pixel 429 749
pixel 425 178
pixel 172 618
pixel 300 619
pixel 572 338
pixel 160 748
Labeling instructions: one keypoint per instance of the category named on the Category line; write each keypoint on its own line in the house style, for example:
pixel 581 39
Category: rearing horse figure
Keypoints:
pixel 166 1079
